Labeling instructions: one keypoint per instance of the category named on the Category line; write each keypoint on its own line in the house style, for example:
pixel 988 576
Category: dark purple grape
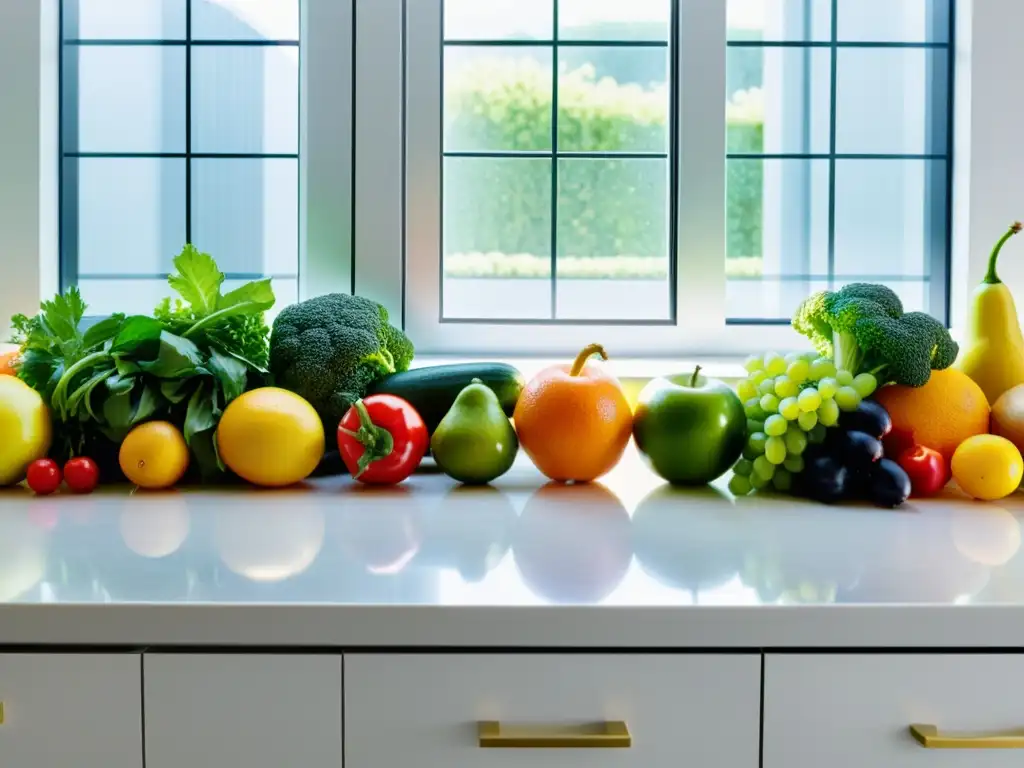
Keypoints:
pixel 888 485
pixel 857 449
pixel 824 479
pixel 869 417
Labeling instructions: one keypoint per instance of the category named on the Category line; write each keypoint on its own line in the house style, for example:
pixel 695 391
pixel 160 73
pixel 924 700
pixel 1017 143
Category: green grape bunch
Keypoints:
pixel 790 402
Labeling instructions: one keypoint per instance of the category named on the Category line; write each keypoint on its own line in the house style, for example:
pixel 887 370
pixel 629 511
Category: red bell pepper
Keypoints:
pixel 382 440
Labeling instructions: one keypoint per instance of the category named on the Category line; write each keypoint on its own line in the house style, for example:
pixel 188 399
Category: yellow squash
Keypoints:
pixel 992 352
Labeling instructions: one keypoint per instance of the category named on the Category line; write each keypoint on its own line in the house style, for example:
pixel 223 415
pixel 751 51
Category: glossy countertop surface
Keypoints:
pixel 628 562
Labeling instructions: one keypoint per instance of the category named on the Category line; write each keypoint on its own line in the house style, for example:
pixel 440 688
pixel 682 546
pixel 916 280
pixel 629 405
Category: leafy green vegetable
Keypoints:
pixel 863 328
pixel 233 323
pixel 184 364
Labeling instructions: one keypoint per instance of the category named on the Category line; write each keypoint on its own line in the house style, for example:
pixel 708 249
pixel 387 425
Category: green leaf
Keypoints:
pixel 118 383
pixel 138 338
pixel 177 358
pixel 207 457
pixel 149 402
pixel 197 280
pixel 103 331
pixel 64 313
pixel 84 390
pixel 176 390
pixel 257 296
pixel 38 369
pixel 200 416
pixel 215 344
pixel 231 373
pixel 118 410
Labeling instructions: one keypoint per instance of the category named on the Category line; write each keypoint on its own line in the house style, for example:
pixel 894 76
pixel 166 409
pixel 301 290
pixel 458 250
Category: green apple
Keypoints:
pixel 691 429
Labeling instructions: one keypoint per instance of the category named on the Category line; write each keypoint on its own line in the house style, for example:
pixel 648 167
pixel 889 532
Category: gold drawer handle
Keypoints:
pixel 1 713
pixel 606 734
pixel 929 737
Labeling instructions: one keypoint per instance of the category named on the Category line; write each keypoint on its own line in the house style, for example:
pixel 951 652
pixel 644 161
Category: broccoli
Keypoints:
pixel 863 328
pixel 331 348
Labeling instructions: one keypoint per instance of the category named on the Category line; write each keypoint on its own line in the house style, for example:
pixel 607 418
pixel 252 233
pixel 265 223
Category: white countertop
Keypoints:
pixel 628 563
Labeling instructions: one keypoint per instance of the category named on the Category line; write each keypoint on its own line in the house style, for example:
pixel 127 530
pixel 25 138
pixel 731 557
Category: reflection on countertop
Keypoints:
pixel 628 540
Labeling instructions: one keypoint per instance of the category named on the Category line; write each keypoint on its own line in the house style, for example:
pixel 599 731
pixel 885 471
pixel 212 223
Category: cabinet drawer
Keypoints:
pixel 250 711
pixel 424 710
pixel 854 711
pixel 71 711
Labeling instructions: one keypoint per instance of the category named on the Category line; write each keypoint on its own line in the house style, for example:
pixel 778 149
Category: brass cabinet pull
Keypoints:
pixel 1 713
pixel 929 737
pixel 607 734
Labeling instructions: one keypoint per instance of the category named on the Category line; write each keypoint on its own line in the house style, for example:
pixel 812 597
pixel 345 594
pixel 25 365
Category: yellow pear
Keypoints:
pixel 992 352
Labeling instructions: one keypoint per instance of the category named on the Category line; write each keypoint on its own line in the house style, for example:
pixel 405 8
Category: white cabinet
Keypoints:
pixel 854 710
pixel 424 710
pixel 71 710
pixel 243 711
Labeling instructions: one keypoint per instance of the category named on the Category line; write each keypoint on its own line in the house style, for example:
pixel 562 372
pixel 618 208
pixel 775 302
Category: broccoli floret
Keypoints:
pixel 331 349
pixel 863 328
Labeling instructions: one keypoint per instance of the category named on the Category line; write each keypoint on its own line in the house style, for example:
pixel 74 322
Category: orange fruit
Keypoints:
pixel 7 361
pixel 154 455
pixel 574 421
pixel 940 415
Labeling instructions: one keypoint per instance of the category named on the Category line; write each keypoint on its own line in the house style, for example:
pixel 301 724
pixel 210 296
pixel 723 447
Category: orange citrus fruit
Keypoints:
pixel 7 361
pixel 271 437
pixel 940 415
pixel 574 421
pixel 154 455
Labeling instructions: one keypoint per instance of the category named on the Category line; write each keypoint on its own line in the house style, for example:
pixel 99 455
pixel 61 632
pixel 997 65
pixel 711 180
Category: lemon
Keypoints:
pixel 987 467
pixel 271 437
pixel 154 455
pixel 25 430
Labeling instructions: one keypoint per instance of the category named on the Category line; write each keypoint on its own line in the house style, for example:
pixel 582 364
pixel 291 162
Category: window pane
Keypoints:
pixel 120 20
pixel 888 224
pixel 613 254
pixel 129 99
pixel 498 19
pixel 779 19
pixel 131 214
pixel 613 99
pixel 245 19
pixel 497 238
pixel 908 21
pixel 778 100
pixel 891 101
pixel 776 237
pixel 246 212
pixel 245 99
pixel 634 20
pixel 497 99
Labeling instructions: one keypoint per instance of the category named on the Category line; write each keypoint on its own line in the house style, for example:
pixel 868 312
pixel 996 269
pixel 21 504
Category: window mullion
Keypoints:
pixel 379 172
pixel 701 171
pixel 326 71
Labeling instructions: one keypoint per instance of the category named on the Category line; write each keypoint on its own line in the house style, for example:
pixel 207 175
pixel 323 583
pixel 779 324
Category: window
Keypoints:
pixel 669 176
pixel 180 123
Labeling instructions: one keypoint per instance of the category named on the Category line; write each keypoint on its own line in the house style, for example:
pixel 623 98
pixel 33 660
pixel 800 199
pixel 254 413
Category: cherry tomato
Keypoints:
pixel 44 476
pixel 928 470
pixel 382 439
pixel 81 474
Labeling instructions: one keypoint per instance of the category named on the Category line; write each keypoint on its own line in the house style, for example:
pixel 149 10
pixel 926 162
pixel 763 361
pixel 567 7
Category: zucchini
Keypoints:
pixel 433 390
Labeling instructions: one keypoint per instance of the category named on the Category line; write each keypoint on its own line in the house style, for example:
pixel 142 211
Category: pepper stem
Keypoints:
pixel 581 359
pixel 377 442
pixel 991 278
pixel 696 373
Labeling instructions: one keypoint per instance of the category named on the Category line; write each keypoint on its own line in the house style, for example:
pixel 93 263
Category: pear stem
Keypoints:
pixel 581 359
pixel 991 278
pixel 696 373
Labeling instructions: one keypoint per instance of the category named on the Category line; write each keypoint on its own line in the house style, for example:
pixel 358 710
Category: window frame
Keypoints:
pixel 351 207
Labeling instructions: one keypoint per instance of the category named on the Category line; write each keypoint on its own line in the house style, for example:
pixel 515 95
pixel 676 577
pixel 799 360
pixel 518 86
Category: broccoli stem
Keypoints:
pixel 581 359
pixel 846 352
pixel 991 278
